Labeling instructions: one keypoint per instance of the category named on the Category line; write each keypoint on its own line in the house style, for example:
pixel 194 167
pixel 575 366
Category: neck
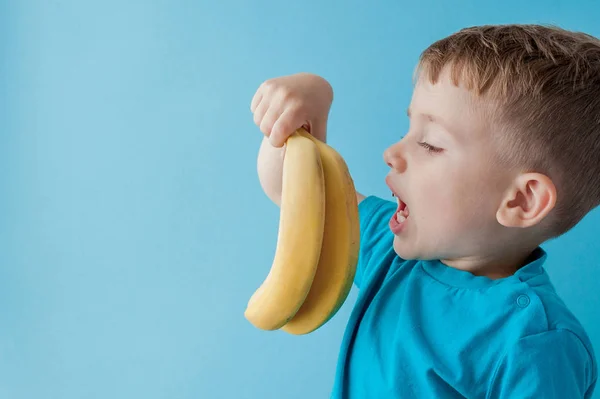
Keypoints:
pixel 494 266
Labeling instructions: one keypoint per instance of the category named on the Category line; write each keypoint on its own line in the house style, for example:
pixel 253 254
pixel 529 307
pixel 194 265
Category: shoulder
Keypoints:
pixel 552 352
pixel 546 310
pixel 559 319
pixel 551 364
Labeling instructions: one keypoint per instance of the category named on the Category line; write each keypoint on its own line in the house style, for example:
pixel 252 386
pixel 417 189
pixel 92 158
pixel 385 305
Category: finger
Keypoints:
pixel 269 120
pixel 260 111
pixel 256 99
pixel 286 124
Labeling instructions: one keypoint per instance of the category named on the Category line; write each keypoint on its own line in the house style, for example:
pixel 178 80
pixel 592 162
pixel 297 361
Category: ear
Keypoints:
pixel 528 201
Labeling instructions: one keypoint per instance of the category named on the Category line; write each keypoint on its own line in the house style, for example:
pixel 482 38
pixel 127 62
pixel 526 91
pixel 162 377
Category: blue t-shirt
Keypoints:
pixel 421 329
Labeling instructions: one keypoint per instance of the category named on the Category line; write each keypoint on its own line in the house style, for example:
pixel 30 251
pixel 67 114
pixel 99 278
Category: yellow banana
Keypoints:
pixel 339 252
pixel 299 241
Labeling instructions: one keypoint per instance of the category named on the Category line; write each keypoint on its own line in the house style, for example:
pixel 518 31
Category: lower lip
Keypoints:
pixel 396 226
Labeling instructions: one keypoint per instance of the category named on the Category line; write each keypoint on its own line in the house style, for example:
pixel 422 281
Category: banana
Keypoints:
pixel 299 241
pixel 339 253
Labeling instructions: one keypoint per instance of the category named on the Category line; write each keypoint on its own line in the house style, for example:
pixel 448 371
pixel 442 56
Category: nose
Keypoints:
pixel 394 158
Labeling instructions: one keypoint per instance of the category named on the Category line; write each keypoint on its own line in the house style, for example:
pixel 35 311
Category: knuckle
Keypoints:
pixel 297 107
pixel 268 85
pixel 285 94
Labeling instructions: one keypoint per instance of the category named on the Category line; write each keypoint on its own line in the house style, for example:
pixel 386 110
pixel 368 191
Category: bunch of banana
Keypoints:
pixel 317 244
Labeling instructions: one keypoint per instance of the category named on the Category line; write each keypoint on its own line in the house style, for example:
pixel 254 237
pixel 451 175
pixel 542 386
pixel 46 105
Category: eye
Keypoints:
pixel 430 149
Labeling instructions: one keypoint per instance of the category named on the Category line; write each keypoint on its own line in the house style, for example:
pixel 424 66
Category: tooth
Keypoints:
pixel 400 218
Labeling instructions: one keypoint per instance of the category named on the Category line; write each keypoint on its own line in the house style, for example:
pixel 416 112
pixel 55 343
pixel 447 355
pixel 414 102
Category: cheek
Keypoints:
pixel 439 188
pixel 436 204
pixel 452 199
pixel 474 202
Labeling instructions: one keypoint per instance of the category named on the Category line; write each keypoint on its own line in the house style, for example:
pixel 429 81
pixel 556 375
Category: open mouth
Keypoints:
pixel 398 221
pixel 402 212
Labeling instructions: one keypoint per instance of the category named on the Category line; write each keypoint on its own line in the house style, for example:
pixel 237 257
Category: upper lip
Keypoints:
pixel 401 204
pixel 388 181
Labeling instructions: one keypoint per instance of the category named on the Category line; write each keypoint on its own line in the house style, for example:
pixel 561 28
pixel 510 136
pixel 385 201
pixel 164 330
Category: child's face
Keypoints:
pixel 452 191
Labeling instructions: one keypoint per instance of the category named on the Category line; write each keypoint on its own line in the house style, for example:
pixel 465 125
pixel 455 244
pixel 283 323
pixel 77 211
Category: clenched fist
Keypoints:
pixel 283 104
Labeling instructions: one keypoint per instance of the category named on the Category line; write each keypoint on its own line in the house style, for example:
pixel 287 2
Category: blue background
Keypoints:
pixel 133 228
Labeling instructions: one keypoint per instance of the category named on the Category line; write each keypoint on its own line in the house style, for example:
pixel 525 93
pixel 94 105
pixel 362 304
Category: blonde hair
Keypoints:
pixel 545 84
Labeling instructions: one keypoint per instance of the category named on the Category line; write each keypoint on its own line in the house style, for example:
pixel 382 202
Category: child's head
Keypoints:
pixel 503 147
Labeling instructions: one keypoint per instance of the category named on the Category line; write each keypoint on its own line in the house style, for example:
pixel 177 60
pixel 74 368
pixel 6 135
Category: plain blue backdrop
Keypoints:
pixel 133 228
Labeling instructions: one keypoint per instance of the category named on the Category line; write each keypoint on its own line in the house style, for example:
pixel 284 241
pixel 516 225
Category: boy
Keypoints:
pixel 501 155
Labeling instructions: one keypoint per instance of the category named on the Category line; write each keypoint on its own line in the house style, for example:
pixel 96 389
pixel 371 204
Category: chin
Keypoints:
pixel 404 250
pixel 407 251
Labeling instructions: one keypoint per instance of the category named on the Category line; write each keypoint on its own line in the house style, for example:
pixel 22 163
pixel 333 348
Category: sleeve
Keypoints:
pixel 551 365
pixel 375 236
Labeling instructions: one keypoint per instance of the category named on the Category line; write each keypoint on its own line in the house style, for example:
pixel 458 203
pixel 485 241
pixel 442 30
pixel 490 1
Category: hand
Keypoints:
pixel 282 105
